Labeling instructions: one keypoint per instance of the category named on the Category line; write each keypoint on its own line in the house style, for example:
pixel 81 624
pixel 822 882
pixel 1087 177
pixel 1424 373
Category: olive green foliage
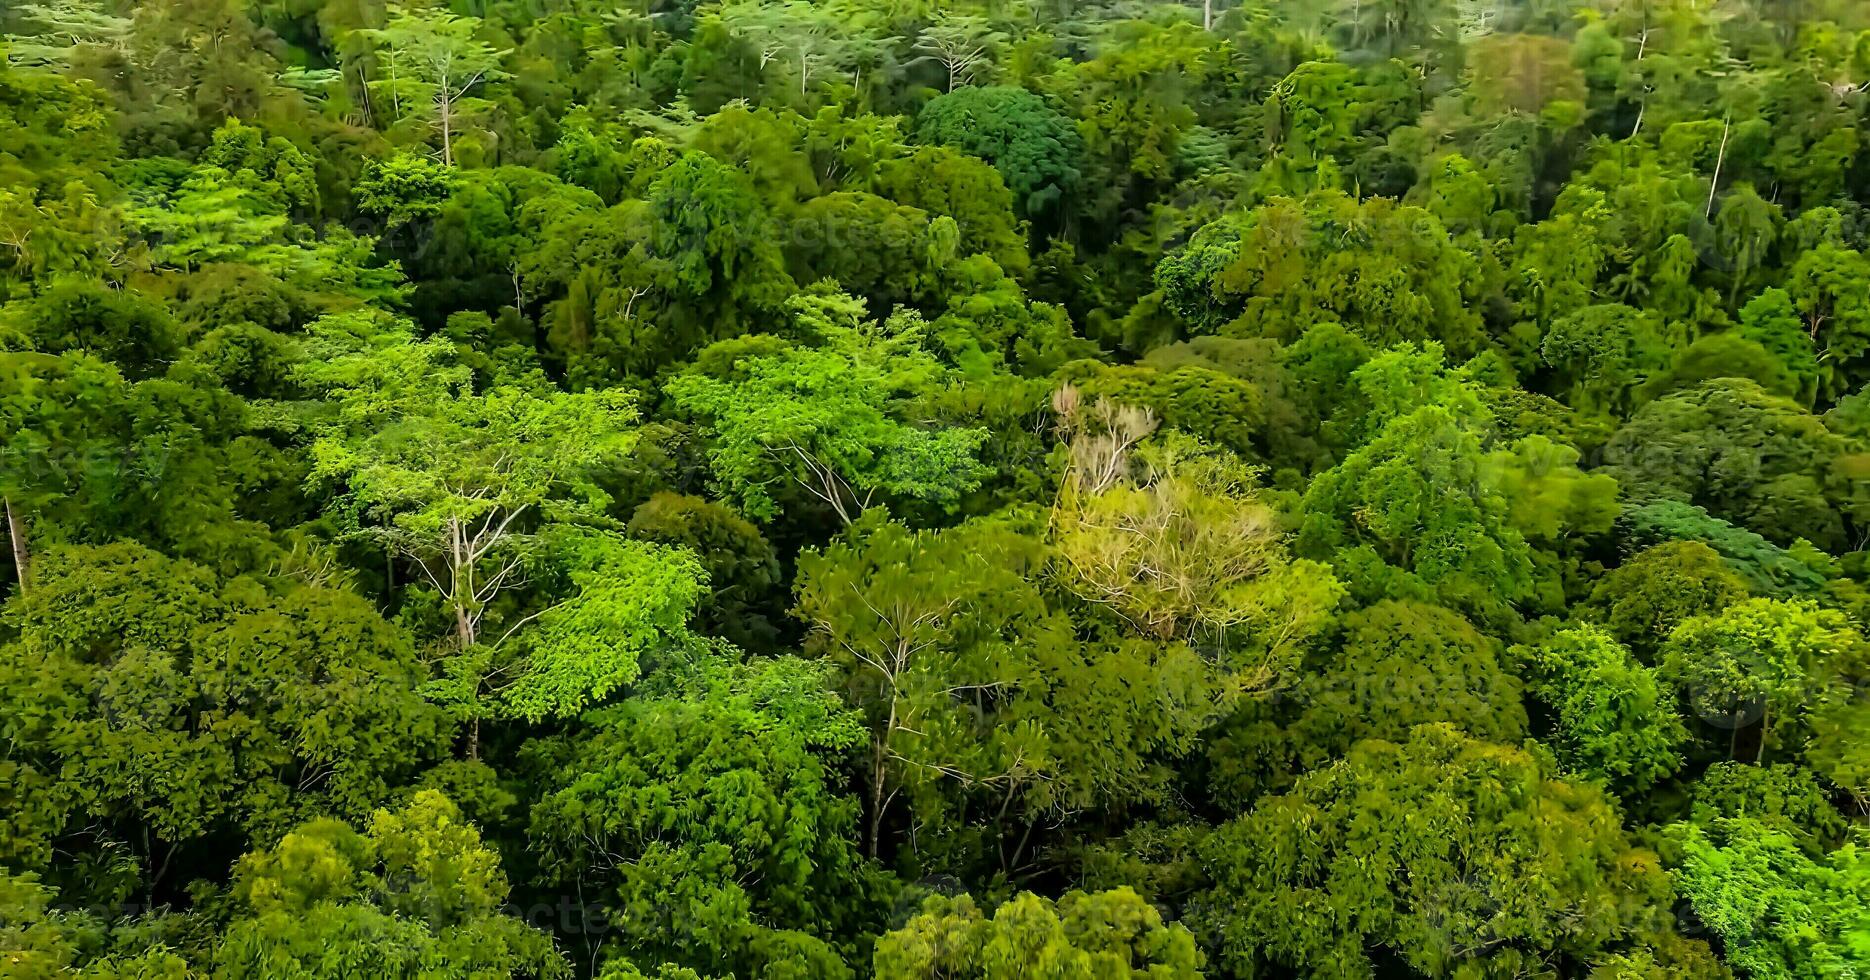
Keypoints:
pixel 416 893
pixel 1388 668
pixel 1105 934
pixel 158 702
pixel 720 790
pixel 1642 600
pixel 1450 854
pixel 1755 459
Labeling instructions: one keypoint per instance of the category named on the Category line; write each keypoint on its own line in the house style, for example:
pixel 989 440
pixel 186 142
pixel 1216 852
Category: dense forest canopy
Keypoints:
pixel 991 489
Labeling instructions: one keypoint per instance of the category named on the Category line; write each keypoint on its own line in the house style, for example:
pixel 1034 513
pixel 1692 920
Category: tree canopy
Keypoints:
pixel 845 489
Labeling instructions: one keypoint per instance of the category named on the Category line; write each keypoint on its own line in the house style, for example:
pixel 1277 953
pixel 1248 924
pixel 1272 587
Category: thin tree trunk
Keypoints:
pixel 16 531
pixel 448 148
pixel 1207 15
pixel 879 770
pixel 1719 160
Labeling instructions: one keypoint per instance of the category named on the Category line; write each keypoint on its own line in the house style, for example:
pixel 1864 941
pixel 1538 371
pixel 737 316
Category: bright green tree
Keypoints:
pixel 434 61
pixel 416 894
pixel 1611 718
pixel 1778 912
pixel 473 488
pixel 1764 660
pixel 1113 934
pixel 834 420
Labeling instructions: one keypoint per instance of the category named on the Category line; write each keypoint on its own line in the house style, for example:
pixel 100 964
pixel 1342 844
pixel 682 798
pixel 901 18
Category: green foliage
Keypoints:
pixel 433 60
pixel 1743 454
pixel 1173 537
pixel 38 939
pixel 972 681
pixel 1106 934
pixel 631 601
pixel 1642 600
pixel 1423 510
pixel 1765 568
pixel 712 816
pixel 167 702
pixel 1783 798
pixel 734 448
pixel 742 570
pixel 1611 719
pixel 1389 274
pixel 834 420
pixel 1451 855
pixel 1385 670
pixel 415 894
pixel 440 472
pixel 1764 658
pixel 126 329
pixel 1035 148
pixel 1779 912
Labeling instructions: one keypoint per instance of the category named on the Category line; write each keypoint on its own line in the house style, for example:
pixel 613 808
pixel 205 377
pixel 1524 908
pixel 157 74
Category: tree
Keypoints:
pixel 94 458
pixel 1764 659
pixel 128 329
pixel 437 58
pixel 468 486
pixel 1032 145
pixel 56 213
pixel 64 28
pixel 818 42
pixel 1743 454
pixel 1784 798
pixel 1828 284
pixel 1289 263
pixel 1778 912
pixel 1766 569
pixel 743 571
pixel 1169 535
pixel 974 685
pixel 1378 673
pixel 711 813
pixel 1134 100
pixel 1611 718
pixel 172 707
pixel 1106 934
pixel 831 419
pixel 39 939
pixel 942 181
pixel 962 43
pixel 1771 320
pixel 1424 510
pixel 1642 600
pixel 416 894
pixel 1604 353
pixel 237 205
pixel 1450 855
